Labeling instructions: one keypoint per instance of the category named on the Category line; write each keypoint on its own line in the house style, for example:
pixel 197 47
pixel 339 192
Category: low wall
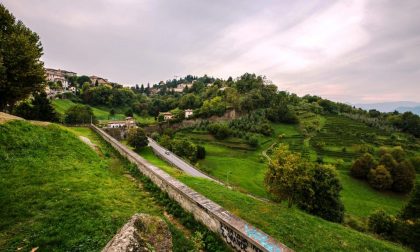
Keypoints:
pixel 234 231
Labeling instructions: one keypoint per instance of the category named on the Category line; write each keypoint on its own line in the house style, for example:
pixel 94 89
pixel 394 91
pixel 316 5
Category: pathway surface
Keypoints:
pixel 177 161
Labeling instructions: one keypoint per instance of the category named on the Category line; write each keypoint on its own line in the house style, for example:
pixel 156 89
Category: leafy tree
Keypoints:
pixel 321 193
pixel 129 112
pixel 40 109
pixel 79 114
pixel 21 70
pixel 380 178
pixel 398 153
pixel 404 177
pixel 286 175
pixel 82 80
pixel 112 113
pixel 43 109
pixel 137 138
pixel 411 211
pixel 362 166
pixel 389 162
pixel 184 148
pixel 189 101
pixel 381 223
pixel 253 141
pixel 219 130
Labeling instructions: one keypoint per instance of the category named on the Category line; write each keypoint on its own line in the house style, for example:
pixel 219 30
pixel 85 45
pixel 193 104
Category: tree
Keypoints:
pixel 43 109
pixel 404 177
pixel 21 70
pixel 39 108
pixel 79 114
pixel 137 138
pixel 411 211
pixel 111 113
pixel 398 153
pixel 321 193
pixel 286 175
pixel 201 152
pixel 389 162
pixel 362 166
pixel 129 112
pixel 82 80
pixel 380 178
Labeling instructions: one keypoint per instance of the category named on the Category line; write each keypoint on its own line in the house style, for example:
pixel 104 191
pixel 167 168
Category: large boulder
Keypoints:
pixel 142 233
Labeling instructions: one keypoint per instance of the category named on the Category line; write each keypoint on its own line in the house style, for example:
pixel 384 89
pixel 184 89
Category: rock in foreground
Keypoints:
pixel 142 233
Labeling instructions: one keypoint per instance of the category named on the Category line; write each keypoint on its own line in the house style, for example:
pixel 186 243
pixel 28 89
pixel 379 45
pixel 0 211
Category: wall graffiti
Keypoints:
pixel 262 239
pixel 234 239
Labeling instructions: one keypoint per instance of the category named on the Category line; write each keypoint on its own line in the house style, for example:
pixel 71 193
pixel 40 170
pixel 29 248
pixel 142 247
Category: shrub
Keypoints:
pixel 380 178
pixel 403 177
pixel 137 138
pixel 398 153
pixel 381 223
pixel 79 114
pixel 201 152
pixel 389 162
pixel 355 223
pixel 219 130
pixel 362 166
pixel 253 141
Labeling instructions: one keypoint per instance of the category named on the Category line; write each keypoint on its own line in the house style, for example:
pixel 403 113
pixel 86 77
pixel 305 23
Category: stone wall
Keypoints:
pixel 234 231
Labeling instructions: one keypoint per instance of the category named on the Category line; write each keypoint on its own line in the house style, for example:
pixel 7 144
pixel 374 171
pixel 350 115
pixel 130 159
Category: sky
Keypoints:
pixel 362 51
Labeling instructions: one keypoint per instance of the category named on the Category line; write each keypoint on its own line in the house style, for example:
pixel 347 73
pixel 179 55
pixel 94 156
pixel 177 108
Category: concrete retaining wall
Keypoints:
pixel 234 231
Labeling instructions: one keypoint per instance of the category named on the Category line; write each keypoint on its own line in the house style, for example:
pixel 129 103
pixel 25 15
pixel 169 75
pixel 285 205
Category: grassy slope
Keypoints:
pixel 101 113
pixel 58 194
pixel 300 231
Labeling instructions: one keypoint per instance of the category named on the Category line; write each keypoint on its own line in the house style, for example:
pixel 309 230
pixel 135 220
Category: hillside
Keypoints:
pixel 58 194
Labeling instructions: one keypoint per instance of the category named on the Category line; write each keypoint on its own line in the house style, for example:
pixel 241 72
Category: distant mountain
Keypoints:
pixel 400 106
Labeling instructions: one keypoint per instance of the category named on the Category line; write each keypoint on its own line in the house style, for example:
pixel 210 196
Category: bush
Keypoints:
pixel 137 138
pixel 219 130
pixel 381 223
pixel 362 166
pixel 355 223
pixel 403 177
pixel 380 178
pixel 253 141
pixel 79 114
pixel 389 162
pixel 201 152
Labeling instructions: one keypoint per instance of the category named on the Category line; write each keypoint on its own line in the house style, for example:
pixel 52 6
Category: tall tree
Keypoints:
pixel 21 70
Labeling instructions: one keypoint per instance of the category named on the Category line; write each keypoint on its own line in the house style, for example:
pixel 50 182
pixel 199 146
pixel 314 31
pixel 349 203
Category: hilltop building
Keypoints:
pixel 56 75
pixel 128 123
pixel 180 88
pixel 188 113
pixel 98 79
pixel 167 115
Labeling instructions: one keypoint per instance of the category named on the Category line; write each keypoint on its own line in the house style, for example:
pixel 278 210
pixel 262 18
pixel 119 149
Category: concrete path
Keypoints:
pixel 177 161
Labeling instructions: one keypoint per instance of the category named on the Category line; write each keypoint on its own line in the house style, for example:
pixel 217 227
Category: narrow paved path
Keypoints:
pixel 177 161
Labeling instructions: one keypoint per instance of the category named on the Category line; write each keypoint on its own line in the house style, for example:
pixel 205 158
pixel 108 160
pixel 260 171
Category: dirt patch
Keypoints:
pixel 4 117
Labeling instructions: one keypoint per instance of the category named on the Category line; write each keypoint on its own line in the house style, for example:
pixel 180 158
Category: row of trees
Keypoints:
pixel 390 169
pixel 315 188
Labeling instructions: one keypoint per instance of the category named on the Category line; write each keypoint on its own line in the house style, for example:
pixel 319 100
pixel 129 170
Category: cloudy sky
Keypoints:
pixel 351 51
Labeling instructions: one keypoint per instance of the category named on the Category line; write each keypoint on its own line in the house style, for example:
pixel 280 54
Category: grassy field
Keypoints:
pixel 58 194
pixel 298 230
pixel 101 113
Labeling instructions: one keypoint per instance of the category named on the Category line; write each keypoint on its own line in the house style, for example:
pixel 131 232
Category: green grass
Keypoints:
pixel 58 194
pixel 101 113
pixel 361 200
pixel 296 229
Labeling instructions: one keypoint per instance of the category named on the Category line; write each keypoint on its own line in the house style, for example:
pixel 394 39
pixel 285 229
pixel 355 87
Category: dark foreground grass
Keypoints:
pixel 57 194
pixel 296 229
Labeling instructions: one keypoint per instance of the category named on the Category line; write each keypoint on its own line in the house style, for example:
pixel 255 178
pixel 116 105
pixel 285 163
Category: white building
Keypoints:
pixel 180 88
pixel 128 123
pixel 188 113
pixel 56 75
pixel 167 116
